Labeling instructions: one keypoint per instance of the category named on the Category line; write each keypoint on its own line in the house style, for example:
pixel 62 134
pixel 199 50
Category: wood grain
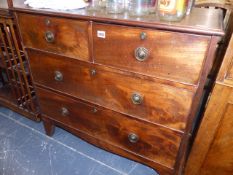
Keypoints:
pixel 171 55
pixel 212 149
pixel 99 76
pixel 156 143
pixel 71 36
pixel 161 104
pixel 185 144
pixel 208 128
pixel 230 73
pixel 219 159
pixel 226 72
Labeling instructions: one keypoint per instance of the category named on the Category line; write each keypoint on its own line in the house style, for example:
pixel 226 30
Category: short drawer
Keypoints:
pixel 58 35
pixel 169 55
pixel 138 97
pixel 153 142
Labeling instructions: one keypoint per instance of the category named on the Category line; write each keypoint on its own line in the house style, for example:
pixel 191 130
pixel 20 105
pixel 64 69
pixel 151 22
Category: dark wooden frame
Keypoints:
pixel 19 95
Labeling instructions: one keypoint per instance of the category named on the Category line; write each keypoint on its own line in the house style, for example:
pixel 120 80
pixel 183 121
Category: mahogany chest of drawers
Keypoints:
pixel 126 85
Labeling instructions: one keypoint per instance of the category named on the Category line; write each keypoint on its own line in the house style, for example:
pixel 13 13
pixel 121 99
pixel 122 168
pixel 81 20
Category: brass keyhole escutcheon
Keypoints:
pixel 47 22
pixel 58 76
pixel 64 111
pixel 93 72
pixel 143 35
pixel 94 110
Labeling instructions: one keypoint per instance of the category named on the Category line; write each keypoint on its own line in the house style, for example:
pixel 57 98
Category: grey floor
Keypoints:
pixel 26 150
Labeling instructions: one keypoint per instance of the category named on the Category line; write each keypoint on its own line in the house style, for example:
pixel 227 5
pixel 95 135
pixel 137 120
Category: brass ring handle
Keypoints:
pixel 58 76
pixel 141 53
pixel 133 138
pixel 49 36
pixel 136 98
pixel 64 111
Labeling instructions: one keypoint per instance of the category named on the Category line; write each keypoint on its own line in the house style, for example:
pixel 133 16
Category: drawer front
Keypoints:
pixel 169 55
pixel 63 36
pixel 141 98
pixel 153 142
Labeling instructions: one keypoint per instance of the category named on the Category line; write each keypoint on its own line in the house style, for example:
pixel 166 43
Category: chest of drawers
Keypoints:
pixel 131 87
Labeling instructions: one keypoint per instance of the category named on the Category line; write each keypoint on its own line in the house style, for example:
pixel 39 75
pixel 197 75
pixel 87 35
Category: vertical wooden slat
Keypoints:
pixel 14 62
pixel 10 3
pixel 5 65
pixel 9 61
pixel 21 66
pixel 15 66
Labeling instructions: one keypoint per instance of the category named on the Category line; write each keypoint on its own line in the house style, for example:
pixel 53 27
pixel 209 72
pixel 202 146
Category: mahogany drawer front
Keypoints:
pixel 160 103
pixel 174 56
pixel 154 142
pixel 63 36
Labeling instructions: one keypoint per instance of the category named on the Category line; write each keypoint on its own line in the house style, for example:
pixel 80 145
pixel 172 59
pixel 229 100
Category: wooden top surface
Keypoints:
pixel 200 21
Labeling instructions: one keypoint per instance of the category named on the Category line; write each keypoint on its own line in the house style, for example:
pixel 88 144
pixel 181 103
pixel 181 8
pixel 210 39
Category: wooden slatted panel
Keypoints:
pixel 14 60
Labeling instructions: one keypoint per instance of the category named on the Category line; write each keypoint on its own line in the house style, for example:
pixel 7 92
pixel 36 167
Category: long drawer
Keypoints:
pixel 153 142
pixel 141 98
pixel 169 55
pixel 58 35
